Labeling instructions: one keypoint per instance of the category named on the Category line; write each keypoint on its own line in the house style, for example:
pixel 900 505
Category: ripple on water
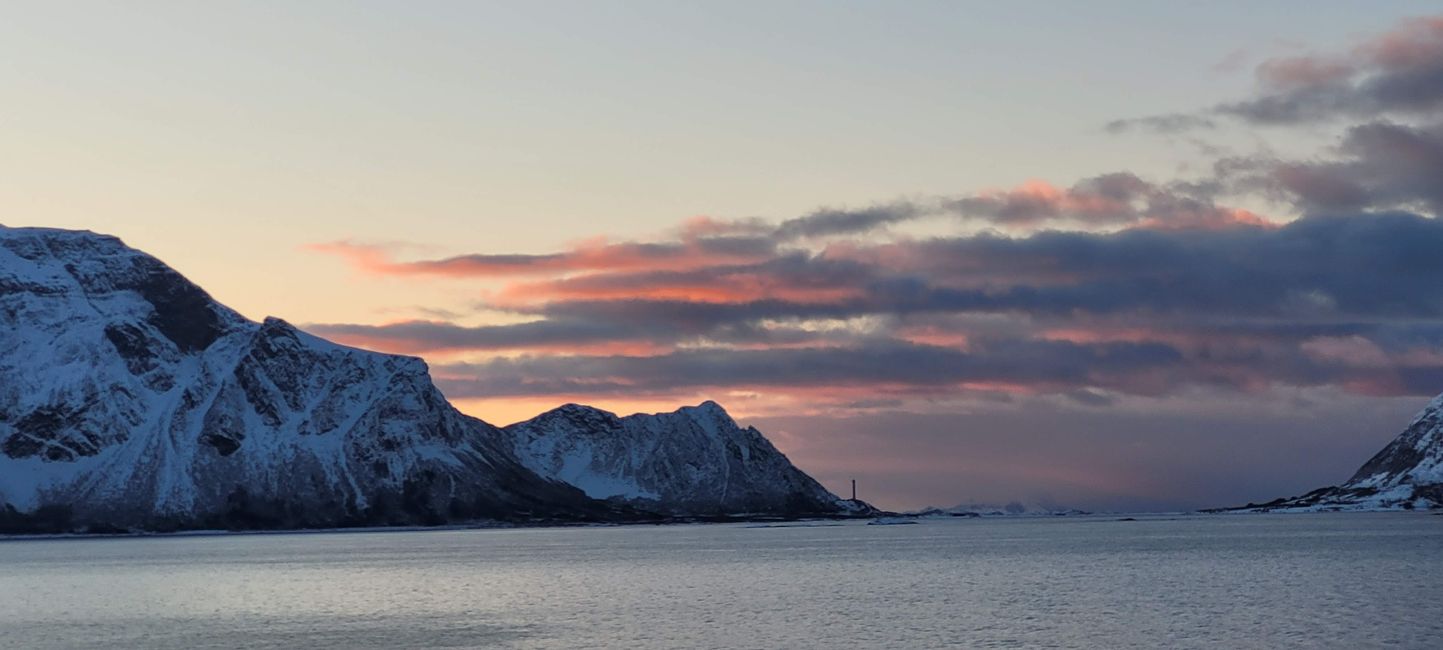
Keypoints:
pixel 1336 580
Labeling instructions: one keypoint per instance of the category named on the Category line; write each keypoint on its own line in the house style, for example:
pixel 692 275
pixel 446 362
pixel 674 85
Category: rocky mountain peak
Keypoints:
pixel 129 398
pixel 693 461
pixel 576 419
pixel 708 411
pixel 1406 474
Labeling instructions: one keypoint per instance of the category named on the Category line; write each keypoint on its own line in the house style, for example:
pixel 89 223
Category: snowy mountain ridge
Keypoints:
pixel 694 461
pixel 129 399
pixel 1407 474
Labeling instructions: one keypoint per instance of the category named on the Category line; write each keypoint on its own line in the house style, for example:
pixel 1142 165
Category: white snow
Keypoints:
pixel 63 289
pixel 308 420
pixel 695 460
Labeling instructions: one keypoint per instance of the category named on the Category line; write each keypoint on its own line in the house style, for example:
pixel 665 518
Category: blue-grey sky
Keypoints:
pixel 997 277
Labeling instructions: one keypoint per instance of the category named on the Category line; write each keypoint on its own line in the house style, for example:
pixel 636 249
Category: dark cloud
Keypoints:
pixel 415 337
pixel 1378 165
pixel 1353 300
pixel 877 362
pixel 794 276
pixel 828 221
pixel 1398 73
pixel 692 252
pixel 1391 165
pixel 562 335
pixel 1119 198
pixel 1115 198
pixel 1170 123
pixel 1376 265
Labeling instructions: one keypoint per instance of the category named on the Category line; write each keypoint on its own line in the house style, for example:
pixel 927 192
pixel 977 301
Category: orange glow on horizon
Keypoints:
pixel 728 289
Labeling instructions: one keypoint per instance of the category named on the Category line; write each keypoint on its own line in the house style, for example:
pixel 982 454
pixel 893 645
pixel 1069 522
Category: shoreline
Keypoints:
pixel 476 525
pixel 776 522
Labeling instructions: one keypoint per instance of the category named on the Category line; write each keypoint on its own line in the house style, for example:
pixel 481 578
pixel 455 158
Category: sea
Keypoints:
pixel 1328 580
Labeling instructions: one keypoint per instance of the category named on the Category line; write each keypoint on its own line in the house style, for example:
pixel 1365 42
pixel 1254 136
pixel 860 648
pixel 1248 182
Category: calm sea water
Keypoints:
pixel 1337 580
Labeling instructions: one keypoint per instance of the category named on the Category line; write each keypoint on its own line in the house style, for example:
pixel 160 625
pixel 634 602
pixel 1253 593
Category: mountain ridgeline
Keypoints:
pixel 1406 475
pixel 695 460
pixel 130 400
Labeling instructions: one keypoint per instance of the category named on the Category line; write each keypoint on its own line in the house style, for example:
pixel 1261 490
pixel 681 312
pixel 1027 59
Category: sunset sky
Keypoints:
pixel 1115 255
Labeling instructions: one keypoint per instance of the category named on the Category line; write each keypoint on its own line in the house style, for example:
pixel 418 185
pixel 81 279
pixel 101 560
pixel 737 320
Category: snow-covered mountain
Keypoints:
pixel 1407 474
pixel 129 399
pixel 694 461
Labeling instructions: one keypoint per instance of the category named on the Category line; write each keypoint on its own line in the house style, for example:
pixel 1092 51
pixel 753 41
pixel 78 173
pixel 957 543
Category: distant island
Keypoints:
pixel 1009 509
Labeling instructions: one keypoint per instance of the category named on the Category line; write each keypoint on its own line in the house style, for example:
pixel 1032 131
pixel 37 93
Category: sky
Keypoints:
pixel 1110 255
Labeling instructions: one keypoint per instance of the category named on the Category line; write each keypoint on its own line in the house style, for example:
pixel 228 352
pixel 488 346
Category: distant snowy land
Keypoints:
pixel 1406 475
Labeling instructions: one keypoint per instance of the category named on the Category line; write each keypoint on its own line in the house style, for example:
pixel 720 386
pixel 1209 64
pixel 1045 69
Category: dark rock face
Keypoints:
pixel 182 312
pixel 1408 451
pixel 132 346
pixel 49 431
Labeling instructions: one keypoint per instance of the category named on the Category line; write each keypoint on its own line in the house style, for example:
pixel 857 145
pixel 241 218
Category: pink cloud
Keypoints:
pixel 1415 43
pixel 1298 71
pixel 593 255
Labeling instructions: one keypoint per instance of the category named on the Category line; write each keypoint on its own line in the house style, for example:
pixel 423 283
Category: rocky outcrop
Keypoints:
pixel 694 461
pixel 1406 475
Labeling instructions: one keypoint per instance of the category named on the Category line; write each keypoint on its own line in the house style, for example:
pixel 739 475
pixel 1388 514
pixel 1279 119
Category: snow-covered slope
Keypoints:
pixel 1407 474
pixel 129 398
pixel 694 461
